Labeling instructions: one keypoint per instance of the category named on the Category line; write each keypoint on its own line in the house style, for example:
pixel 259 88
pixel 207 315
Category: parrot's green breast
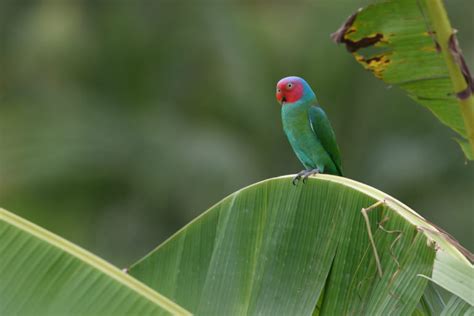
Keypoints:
pixel 303 139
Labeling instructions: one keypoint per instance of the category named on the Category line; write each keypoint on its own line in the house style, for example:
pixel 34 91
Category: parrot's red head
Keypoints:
pixel 290 89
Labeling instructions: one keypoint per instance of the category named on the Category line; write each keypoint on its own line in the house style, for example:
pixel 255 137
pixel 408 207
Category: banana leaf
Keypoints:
pixel 43 274
pixel 410 44
pixel 457 307
pixel 277 249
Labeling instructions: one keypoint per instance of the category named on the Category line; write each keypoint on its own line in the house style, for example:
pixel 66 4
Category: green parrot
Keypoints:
pixel 308 129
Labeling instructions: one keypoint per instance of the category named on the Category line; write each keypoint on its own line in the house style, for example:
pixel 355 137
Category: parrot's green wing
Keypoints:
pixel 322 128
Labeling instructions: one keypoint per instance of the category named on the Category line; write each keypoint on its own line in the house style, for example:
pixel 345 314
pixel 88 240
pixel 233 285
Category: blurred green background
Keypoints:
pixel 122 121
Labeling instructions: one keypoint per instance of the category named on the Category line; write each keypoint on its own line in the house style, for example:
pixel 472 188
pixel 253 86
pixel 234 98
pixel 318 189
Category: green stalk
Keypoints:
pixel 442 27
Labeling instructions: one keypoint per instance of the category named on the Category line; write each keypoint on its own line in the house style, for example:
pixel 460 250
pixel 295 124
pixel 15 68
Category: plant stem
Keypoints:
pixel 442 27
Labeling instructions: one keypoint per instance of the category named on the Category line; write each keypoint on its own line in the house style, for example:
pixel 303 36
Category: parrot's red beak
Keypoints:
pixel 280 97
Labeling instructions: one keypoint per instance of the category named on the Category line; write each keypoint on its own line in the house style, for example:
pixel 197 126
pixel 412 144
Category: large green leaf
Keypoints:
pixel 409 43
pixel 43 274
pixel 272 248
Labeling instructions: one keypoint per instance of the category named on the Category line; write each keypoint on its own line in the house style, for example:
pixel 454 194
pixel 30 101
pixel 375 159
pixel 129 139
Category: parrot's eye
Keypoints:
pixel 289 85
pixel 278 90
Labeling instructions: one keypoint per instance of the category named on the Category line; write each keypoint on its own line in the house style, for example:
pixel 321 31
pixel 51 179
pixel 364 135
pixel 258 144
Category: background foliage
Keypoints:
pixel 106 110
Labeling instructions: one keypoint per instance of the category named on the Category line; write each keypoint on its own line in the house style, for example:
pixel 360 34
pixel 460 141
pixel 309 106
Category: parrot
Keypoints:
pixel 308 129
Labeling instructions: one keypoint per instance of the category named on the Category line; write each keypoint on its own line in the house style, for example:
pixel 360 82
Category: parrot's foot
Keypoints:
pixel 298 177
pixel 310 173
pixel 305 174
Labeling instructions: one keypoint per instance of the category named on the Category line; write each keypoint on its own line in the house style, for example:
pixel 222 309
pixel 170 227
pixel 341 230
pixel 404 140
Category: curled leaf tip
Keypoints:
pixel 338 36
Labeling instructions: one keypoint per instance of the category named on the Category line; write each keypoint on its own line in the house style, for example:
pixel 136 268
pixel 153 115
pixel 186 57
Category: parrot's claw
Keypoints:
pixel 298 177
pixel 310 173
pixel 305 174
